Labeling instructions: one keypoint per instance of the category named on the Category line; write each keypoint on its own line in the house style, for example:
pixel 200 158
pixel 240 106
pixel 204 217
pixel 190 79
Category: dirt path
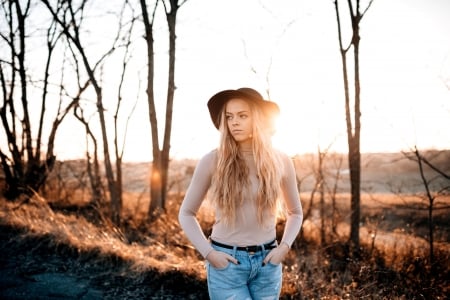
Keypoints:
pixel 30 270
pixel 28 273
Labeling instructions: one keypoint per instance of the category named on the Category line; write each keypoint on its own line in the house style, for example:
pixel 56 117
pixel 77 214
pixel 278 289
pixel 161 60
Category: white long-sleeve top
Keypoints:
pixel 246 230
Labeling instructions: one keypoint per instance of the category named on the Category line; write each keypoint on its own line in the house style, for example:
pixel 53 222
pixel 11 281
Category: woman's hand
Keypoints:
pixel 277 255
pixel 220 260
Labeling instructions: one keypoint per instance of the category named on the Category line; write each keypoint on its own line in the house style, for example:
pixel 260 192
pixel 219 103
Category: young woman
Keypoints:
pixel 245 179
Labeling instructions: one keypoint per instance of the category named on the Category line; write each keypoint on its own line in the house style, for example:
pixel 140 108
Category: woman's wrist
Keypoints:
pixel 283 243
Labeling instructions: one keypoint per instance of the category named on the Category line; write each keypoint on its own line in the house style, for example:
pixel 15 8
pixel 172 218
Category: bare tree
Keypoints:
pixel 422 163
pixel 92 160
pixel 119 149
pixel 70 19
pixel 28 159
pixel 352 116
pixel 332 191
pixel 160 165
pixel 322 176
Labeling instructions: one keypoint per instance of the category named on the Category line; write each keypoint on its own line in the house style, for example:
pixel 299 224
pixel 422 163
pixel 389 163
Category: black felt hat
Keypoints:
pixel 216 103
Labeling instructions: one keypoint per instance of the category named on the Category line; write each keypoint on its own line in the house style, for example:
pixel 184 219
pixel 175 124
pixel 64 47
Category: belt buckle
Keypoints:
pixel 251 250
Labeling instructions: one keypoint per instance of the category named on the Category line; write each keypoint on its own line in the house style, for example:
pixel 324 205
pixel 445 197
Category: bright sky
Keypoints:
pixel 405 76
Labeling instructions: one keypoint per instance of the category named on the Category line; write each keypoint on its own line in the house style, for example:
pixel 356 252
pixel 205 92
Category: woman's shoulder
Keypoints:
pixel 206 164
pixel 209 158
pixel 285 159
pixel 211 155
pixel 282 155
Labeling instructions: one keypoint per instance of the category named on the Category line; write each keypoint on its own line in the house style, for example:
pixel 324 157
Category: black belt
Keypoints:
pixel 254 248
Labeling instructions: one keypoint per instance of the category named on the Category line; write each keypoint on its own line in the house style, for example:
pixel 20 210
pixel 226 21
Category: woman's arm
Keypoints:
pixel 293 205
pixel 193 199
pixel 294 213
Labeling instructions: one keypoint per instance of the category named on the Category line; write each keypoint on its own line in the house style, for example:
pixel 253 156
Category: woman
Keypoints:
pixel 244 179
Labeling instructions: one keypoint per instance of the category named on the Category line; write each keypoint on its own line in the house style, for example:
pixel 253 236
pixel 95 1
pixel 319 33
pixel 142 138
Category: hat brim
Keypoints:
pixel 216 103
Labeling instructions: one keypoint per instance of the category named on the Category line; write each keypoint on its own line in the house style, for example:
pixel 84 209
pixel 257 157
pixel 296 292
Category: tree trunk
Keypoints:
pixel 353 125
pixel 155 177
pixel 114 194
pixel 161 158
pixel 24 167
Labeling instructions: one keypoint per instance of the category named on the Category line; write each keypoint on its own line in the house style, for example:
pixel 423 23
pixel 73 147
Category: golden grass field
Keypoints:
pixel 154 260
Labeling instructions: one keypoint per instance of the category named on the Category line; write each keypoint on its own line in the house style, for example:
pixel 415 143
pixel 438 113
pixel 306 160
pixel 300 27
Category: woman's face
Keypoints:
pixel 239 120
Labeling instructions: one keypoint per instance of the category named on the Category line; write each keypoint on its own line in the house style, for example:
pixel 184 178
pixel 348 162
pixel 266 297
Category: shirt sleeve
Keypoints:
pixel 192 201
pixel 293 205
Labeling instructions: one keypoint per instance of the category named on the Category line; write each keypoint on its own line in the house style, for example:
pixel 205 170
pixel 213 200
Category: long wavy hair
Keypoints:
pixel 230 183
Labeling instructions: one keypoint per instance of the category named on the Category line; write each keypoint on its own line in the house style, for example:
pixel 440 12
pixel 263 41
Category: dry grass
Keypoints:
pixel 126 257
pixel 154 258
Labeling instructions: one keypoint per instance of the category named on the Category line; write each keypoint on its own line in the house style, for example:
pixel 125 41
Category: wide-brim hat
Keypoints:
pixel 216 103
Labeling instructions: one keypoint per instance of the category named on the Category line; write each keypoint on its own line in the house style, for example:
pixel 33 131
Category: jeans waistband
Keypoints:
pixel 253 248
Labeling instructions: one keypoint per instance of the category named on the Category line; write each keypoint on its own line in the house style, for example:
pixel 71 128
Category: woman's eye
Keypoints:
pixel 243 116
pixel 229 117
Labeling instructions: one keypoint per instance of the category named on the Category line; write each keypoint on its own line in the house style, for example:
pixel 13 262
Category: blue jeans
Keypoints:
pixel 249 280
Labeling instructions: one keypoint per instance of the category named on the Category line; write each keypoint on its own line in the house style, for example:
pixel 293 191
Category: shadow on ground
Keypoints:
pixel 32 269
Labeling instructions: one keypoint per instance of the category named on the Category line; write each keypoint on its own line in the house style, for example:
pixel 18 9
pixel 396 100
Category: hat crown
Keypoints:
pixel 216 102
pixel 251 93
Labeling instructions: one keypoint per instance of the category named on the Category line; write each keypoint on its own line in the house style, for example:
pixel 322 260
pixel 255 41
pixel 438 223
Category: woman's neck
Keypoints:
pixel 247 149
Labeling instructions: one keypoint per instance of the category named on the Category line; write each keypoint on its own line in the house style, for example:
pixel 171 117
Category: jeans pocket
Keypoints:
pixel 273 264
pixel 219 269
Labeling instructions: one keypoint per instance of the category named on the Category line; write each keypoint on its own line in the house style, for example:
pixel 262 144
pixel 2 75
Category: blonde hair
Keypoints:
pixel 231 181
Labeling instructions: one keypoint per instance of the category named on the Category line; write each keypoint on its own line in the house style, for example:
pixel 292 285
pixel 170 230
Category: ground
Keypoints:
pixel 60 249
pixel 51 254
pixel 31 268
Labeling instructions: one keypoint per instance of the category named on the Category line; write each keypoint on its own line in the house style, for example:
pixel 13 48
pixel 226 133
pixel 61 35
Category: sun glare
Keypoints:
pixel 403 86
